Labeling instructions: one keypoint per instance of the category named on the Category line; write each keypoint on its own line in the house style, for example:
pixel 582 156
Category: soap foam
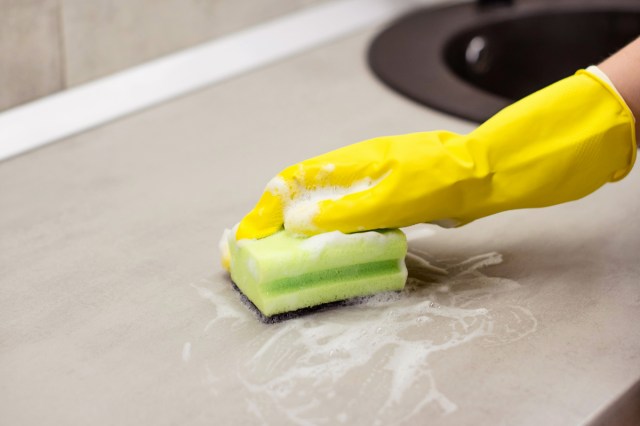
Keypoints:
pixel 418 232
pixel 302 204
pixel 316 244
pixel 375 354
pixel 300 211
pixel 328 168
pixel 223 245
pixel 278 187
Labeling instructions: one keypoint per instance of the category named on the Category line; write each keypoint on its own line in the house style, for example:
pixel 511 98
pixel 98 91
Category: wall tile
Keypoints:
pixel 30 50
pixel 104 36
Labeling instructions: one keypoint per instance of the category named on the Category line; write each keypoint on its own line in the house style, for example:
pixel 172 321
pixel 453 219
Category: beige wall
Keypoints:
pixel 31 56
pixel 48 45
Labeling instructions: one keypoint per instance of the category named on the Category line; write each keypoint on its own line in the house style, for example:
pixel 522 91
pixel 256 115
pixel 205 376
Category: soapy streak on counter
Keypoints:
pixel 306 363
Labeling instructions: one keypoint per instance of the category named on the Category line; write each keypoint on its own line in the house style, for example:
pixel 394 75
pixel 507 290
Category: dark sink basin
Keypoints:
pixel 471 61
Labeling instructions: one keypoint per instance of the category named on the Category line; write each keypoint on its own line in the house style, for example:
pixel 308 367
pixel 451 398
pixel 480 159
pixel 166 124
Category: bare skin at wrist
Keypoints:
pixel 622 69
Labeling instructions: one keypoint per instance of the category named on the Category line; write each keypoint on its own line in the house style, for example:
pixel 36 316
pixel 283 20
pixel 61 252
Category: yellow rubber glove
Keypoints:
pixel 556 145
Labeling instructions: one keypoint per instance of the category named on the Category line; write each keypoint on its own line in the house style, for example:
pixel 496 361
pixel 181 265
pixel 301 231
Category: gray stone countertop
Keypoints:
pixel 114 308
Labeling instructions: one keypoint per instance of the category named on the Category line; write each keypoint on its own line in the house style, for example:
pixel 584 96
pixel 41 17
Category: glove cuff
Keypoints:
pixel 604 78
pixel 598 75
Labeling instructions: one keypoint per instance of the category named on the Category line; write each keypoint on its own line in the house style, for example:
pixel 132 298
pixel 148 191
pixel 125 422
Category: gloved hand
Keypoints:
pixel 558 144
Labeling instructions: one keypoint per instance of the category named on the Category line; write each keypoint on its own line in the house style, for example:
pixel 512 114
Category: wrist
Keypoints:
pixel 621 72
pixel 626 100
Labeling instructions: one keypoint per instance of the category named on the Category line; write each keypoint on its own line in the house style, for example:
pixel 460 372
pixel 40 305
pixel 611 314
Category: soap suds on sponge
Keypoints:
pixel 223 246
pixel 317 244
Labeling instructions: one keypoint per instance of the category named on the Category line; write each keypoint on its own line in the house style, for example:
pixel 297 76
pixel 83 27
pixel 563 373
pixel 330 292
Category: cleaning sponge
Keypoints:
pixel 283 272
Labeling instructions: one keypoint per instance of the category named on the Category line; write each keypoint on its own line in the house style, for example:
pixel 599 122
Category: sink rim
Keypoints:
pixel 391 51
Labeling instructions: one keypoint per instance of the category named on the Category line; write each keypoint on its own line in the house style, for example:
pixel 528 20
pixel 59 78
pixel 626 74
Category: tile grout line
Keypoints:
pixel 83 107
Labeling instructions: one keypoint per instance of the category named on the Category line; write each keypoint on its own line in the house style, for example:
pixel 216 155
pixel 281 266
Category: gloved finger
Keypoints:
pixel 293 195
pixel 266 218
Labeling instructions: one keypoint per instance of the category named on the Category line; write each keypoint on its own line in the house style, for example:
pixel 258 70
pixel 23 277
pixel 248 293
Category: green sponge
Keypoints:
pixel 283 273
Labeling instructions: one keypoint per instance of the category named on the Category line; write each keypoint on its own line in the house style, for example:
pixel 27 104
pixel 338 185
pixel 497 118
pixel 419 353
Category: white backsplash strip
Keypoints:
pixel 75 110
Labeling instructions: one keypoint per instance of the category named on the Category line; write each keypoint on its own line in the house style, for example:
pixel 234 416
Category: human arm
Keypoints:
pixel 623 69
